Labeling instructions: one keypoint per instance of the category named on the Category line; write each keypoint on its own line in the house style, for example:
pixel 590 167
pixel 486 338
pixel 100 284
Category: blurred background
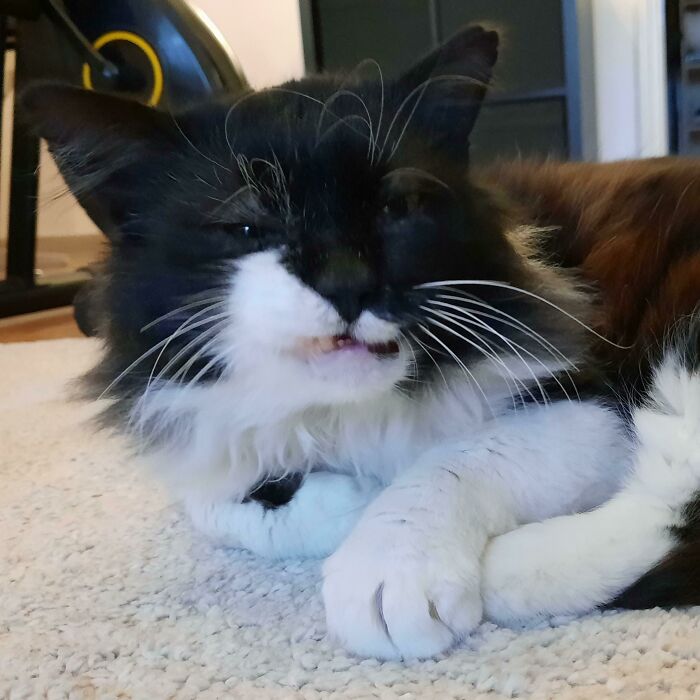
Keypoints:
pixel 578 79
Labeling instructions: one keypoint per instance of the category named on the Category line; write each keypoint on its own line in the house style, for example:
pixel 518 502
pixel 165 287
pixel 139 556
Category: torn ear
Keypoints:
pixel 452 82
pixel 104 146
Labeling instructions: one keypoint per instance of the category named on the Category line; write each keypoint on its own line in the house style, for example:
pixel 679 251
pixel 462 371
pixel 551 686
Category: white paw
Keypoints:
pixel 316 520
pixel 571 564
pixel 519 579
pixel 392 593
pixel 325 510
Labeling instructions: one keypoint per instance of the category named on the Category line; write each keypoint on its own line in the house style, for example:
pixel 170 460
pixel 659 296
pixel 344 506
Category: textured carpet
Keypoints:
pixel 105 592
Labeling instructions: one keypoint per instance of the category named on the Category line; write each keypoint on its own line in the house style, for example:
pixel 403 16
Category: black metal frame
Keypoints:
pixel 52 40
pixel 570 94
pixel 20 292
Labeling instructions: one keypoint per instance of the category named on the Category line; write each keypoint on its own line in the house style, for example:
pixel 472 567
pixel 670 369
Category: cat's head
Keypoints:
pixel 286 235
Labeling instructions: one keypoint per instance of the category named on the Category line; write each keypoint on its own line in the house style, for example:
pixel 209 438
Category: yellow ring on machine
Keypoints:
pixel 147 49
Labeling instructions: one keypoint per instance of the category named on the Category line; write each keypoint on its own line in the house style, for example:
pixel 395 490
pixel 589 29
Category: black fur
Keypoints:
pixel 362 217
pixel 674 581
pixel 277 492
pixel 362 222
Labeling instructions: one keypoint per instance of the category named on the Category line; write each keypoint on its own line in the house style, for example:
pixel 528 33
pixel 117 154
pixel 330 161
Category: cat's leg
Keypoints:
pixel 312 524
pixel 573 564
pixel 406 582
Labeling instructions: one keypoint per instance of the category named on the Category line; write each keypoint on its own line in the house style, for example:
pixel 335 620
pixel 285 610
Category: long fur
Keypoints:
pixel 334 340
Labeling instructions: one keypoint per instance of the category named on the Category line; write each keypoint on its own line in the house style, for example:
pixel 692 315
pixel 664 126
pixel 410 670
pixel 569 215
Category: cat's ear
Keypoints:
pixel 449 84
pixel 109 150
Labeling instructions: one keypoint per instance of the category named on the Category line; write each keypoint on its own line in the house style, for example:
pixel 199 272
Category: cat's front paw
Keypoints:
pixel 391 593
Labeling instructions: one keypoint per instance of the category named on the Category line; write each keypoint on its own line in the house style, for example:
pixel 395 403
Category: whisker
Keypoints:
pixel 182 372
pixel 487 352
pixel 220 301
pixel 312 99
pixel 181 330
pixel 143 399
pixel 344 122
pixel 514 346
pixel 197 150
pixel 505 285
pixel 403 338
pixel 231 110
pixel 349 93
pixel 513 322
pixel 539 386
pixel 216 359
pixel 522 328
pixel 184 351
pixel 381 112
pixel 184 327
pixel 422 87
pixel 461 364
pixel 430 355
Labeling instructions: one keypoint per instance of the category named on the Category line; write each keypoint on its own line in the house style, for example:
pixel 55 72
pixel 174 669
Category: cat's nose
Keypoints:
pixel 348 283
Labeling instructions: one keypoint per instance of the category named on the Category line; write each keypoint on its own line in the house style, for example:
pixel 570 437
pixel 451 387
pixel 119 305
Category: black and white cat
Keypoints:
pixel 306 289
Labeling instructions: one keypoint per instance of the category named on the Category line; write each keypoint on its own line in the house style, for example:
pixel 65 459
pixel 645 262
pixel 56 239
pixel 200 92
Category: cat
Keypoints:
pixel 336 340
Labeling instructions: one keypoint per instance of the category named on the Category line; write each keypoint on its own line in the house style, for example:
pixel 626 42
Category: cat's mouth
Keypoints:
pixel 346 343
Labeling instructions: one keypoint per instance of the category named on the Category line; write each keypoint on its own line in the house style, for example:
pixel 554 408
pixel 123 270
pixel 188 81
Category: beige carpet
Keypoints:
pixel 106 593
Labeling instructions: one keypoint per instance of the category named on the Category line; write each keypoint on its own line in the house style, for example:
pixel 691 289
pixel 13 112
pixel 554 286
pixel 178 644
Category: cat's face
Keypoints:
pixel 285 235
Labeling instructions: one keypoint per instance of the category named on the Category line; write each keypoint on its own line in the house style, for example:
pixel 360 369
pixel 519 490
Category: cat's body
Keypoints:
pixel 306 290
pixel 629 228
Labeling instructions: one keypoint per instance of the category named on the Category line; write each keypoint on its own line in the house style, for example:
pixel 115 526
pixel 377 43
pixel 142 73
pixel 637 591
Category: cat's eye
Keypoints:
pixel 238 229
pixel 401 206
pixel 246 230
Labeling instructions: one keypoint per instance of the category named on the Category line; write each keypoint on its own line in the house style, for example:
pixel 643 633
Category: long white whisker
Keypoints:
pixel 422 87
pixel 345 122
pixel 348 93
pixel 505 285
pixel 185 350
pixel 413 353
pixel 197 150
pixel 174 312
pixel 312 99
pixel 521 328
pixel 211 342
pixel 143 399
pixel 513 322
pixel 231 110
pixel 204 370
pixel 461 364
pixel 381 113
pixel 430 355
pixel 487 352
pixel 514 346
pixel 184 327
pixel 452 317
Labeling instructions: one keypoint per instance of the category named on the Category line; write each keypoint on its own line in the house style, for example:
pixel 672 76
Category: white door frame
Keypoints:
pixel 624 96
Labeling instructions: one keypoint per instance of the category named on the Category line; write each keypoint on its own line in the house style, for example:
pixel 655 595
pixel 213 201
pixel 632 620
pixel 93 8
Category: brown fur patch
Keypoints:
pixel 631 228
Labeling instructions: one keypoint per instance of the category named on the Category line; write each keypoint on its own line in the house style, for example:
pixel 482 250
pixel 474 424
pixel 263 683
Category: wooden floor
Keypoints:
pixel 44 325
pixel 59 255
pixel 56 256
